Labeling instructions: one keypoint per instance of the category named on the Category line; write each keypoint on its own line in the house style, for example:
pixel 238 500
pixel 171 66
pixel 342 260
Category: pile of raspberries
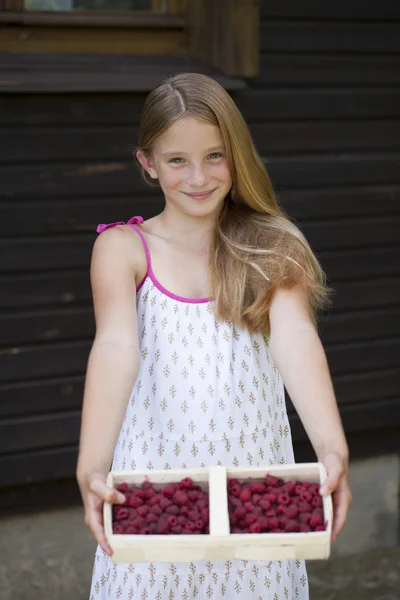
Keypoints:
pixel 274 506
pixel 176 508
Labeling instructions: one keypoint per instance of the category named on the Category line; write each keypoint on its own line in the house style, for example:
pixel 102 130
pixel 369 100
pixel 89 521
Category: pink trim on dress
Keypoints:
pixel 149 273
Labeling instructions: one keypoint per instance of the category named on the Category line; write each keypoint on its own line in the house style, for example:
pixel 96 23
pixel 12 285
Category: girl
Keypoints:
pixel 193 374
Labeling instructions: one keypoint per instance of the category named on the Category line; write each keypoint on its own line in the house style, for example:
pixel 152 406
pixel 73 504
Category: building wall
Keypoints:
pixel 325 115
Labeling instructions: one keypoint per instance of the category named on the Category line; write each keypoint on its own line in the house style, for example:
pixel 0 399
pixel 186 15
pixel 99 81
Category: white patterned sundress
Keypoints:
pixel 207 394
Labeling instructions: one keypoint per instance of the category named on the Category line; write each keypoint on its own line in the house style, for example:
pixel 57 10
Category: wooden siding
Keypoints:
pixel 325 115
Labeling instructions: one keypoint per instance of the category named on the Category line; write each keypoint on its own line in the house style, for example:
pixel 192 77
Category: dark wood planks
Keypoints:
pixel 385 10
pixel 35 145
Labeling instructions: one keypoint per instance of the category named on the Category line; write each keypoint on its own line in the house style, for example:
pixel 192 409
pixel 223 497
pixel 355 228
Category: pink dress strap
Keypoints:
pixel 132 223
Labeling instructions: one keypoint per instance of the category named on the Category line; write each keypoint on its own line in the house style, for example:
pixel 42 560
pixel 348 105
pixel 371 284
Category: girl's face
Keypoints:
pixel 190 163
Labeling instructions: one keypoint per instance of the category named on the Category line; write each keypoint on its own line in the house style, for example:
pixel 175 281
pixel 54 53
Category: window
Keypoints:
pixel 220 33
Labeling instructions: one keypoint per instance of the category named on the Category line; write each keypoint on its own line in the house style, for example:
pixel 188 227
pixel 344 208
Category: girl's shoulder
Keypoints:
pixel 120 245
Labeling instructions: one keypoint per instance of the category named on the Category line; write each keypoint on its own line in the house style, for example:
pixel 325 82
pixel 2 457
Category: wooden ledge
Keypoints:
pixel 96 73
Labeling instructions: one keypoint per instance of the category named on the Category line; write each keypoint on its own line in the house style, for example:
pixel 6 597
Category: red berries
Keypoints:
pixel 274 506
pixel 176 508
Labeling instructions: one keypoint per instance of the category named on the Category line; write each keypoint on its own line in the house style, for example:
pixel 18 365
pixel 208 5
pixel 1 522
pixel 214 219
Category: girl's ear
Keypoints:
pixel 147 164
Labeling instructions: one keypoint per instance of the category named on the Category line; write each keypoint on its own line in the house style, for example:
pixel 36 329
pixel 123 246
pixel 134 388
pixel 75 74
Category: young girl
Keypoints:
pixel 193 373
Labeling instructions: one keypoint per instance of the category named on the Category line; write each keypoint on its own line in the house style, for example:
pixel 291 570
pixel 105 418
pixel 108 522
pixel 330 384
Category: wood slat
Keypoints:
pixel 317 104
pixel 323 36
pixel 43 465
pixel 122 178
pixel 327 70
pixel 34 290
pixel 360 264
pixel 50 325
pixel 26 290
pixel 50 217
pixel 363 325
pixel 70 110
pixel 356 295
pixel 35 433
pixel 50 360
pixel 369 386
pixel 256 104
pixel 61 359
pixel 118 143
pixel 364 356
pixel 341 9
pixel 49 395
pixel 83 73
pixel 68 252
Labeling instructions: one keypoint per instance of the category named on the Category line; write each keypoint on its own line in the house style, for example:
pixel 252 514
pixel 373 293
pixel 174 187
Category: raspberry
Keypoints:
pixel 172 510
pixel 240 513
pixel 306 496
pixel 151 518
pixel 292 526
pixel 315 521
pixel 283 498
pixel 270 513
pixel 256 498
pixel 184 511
pixel 265 504
pixel 317 501
pixel 162 528
pixel 155 499
pixel 186 484
pixel 145 531
pixel 250 519
pixel 143 510
pixel 123 488
pixel 271 498
pixel 165 502
pixel 193 514
pixel 245 495
pixel 193 495
pixel 121 513
pixel 117 529
pixel 190 525
pixel 263 521
pixel 131 530
pixel 168 491
pixel 236 490
pixel 298 488
pixel 248 506
pixel 255 528
pixel 176 530
pixel 305 518
pixel 289 488
pixel 258 511
pixel 281 509
pixel 257 487
pixel 138 522
pixel 283 521
pixel 292 511
pixel 232 499
pixel 203 503
pixel 271 480
pixel 200 524
pixel 172 521
pixel 319 528
pixel 205 515
pixel 304 528
pixel 156 510
pixel 273 523
pixel 305 507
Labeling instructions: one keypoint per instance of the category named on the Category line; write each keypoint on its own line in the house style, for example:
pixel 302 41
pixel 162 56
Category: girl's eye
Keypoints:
pixel 215 155
pixel 176 160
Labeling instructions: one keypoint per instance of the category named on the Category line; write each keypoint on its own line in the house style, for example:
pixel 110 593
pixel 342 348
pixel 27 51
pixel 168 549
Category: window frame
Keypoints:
pixel 221 34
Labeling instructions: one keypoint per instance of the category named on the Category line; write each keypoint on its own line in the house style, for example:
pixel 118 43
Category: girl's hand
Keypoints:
pixel 95 492
pixel 337 484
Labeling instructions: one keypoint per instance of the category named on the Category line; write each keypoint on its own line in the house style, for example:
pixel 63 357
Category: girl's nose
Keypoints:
pixel 198 178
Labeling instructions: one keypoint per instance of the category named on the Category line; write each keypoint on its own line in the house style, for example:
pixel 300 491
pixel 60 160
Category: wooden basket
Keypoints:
pixel 220 544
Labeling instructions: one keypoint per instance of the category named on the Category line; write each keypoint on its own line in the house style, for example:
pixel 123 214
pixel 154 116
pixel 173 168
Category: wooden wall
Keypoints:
pixel 325 115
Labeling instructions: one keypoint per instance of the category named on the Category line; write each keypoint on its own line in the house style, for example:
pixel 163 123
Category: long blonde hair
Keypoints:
pixel 255 247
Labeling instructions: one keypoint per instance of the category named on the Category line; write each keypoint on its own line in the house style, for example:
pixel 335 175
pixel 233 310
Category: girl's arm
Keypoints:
pixel 113 366
pixel 300 358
